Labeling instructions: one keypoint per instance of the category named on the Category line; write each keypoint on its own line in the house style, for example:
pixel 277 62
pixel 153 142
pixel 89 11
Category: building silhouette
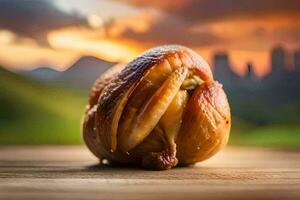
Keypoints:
pixel 297 60
pixel 278 60
pixel 221 64
pixel 250 75
pixel 223 71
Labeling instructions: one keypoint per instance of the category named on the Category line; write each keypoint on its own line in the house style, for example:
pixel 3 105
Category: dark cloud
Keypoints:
pixel 206 10
pixel 219 9
pixel 169 29
pixel 34 18
pixel 196 13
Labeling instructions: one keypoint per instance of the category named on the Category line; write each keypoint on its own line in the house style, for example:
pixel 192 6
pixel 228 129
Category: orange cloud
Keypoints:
pixel 85 41
pixel 28 55
pixel 155 28
pixel 6 37
pixel 140 23
pixel 166 4
pixel 218 10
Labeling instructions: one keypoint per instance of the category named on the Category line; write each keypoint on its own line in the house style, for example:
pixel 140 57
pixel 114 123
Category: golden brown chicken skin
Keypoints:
pixel 160 110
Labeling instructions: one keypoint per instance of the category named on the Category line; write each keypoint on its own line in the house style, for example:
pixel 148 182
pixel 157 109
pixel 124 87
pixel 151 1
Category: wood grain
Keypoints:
pixel 71 172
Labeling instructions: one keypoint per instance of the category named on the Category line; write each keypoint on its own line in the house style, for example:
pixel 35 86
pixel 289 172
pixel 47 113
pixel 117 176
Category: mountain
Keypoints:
pixel 42 73
pixel 83 72
pixel 34 113
pixel 80 75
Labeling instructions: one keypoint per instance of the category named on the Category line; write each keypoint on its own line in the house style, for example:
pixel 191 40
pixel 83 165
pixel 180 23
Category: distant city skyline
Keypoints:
pixel 280 61
pixel 273 98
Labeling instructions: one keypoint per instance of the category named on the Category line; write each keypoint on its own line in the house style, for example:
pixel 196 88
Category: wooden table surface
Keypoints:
pixel 71 172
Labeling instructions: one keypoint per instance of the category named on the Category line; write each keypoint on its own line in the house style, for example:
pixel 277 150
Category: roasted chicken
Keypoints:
pixel 160 110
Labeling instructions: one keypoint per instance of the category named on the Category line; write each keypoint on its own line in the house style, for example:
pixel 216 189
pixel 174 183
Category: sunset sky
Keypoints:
pixel 55 33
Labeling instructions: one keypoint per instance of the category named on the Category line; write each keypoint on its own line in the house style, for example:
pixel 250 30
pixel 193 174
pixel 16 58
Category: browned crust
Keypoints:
pixel 109 90
pixel 132 73
pixel 88 124
pixel 209 108
pixel 102 81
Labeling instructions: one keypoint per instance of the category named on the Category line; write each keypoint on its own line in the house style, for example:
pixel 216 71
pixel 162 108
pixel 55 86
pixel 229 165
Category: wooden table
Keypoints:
pixel 71 172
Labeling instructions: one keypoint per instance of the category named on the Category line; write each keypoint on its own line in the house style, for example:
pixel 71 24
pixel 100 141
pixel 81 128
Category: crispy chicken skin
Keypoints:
pixel 160 110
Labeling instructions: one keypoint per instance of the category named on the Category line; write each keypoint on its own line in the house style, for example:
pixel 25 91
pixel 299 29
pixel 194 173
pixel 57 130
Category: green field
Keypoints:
pixel 268 136
pixel 34 113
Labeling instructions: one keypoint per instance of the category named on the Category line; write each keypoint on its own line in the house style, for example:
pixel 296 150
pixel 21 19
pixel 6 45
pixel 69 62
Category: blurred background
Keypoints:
pixel 51 51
